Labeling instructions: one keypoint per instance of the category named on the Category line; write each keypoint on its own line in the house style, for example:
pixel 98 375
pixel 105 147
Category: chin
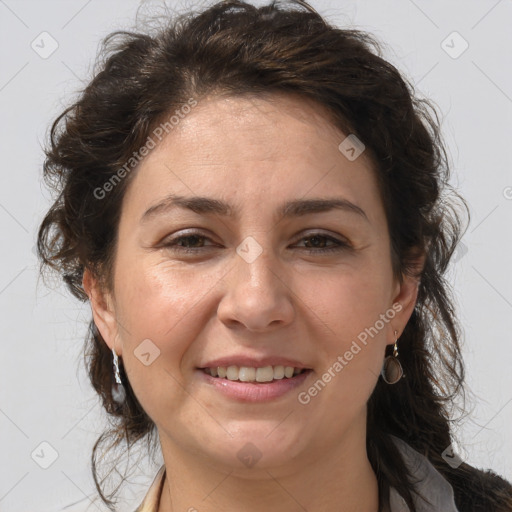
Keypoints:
pixel 257 447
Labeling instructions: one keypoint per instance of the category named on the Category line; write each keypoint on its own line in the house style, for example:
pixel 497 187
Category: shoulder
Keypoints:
pixel 432 491
pixel 462 489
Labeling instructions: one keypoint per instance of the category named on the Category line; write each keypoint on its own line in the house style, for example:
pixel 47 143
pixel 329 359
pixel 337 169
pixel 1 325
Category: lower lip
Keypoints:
pixel 254 391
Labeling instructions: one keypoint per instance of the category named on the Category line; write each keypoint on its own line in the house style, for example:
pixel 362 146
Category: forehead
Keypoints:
pixel 257 127
pixel 275 147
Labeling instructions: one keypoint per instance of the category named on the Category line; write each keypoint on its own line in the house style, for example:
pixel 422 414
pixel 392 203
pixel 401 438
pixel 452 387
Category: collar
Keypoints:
pixel 152 499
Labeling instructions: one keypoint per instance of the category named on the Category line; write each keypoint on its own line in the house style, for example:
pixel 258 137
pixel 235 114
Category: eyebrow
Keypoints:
pixel 211 206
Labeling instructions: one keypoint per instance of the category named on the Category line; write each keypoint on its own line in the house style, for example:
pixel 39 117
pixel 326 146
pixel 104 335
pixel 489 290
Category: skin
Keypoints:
pixel 255 153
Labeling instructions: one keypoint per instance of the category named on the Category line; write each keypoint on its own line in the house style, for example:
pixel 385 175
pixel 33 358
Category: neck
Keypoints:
pixel 335 479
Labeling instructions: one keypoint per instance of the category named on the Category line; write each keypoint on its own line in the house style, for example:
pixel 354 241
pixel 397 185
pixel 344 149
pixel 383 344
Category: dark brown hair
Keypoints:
pixel 234 48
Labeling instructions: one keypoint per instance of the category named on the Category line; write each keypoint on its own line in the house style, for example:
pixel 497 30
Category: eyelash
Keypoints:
pixel 340 245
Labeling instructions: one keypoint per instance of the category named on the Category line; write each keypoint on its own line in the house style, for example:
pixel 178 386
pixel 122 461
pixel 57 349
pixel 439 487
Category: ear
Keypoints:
pixel 103 311
pixel 405 295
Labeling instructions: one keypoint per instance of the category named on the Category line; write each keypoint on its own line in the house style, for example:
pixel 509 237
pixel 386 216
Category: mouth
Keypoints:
pixel 254 384
pixel 254 374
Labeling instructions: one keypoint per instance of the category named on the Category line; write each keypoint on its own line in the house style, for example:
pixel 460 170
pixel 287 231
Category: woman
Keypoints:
pixel 256 206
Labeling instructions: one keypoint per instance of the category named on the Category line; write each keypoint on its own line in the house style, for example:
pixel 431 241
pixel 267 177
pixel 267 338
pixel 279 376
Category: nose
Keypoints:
pixel 257 296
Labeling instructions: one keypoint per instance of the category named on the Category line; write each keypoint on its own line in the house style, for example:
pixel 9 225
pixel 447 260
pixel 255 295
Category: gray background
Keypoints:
pixel 44 394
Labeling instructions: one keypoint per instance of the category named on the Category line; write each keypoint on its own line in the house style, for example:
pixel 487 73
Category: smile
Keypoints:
pixel 252 374
pixel 251 384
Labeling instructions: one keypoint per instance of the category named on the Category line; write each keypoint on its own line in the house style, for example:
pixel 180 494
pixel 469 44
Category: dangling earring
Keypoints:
pixel 392 370
pixel 118 391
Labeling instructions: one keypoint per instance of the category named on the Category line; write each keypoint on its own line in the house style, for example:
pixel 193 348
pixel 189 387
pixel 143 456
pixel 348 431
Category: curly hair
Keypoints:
pixel 233 48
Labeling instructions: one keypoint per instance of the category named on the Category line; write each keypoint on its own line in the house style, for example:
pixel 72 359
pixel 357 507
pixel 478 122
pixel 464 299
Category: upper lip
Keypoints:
pixel 253 362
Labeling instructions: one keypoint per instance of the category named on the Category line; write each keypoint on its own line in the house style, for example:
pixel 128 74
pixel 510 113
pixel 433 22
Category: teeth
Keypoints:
pixel 232 373
pixel 278 372
pixel 265 374
pixel 249 374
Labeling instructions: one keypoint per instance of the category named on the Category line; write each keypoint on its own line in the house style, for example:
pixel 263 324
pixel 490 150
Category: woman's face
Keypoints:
pixel 257 273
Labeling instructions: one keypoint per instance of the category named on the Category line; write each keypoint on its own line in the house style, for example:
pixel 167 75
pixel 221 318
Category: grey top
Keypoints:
pixel 436 490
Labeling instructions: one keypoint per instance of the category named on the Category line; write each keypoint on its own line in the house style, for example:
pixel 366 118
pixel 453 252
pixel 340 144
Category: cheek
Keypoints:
pixel 166 304
pixel 352 349
pixel 161 311
pixel 350 301
pixel 355 311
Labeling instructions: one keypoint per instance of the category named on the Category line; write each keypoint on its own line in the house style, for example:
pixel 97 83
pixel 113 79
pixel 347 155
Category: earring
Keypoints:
pixel 118 391
pixel 392 370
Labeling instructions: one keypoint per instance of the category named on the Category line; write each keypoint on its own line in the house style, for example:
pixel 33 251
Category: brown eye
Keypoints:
pixel 318 243
pixel 192 242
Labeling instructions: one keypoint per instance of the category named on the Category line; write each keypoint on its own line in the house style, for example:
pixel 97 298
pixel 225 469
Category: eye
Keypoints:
pixel 193 242
pixel 318 243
